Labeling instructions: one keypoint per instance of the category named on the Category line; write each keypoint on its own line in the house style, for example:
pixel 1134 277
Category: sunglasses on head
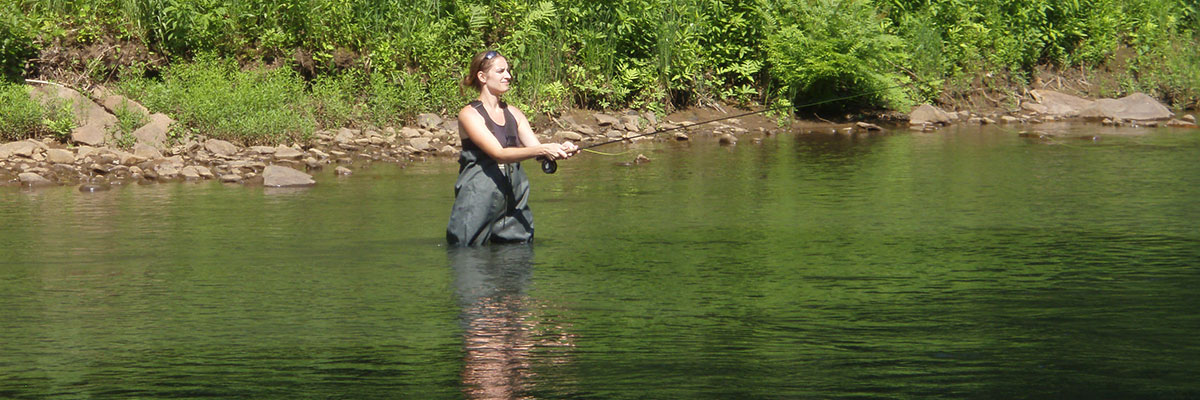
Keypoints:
pixel 490 55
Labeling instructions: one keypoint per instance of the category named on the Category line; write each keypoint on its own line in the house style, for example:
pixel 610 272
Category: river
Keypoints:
pixel 966 263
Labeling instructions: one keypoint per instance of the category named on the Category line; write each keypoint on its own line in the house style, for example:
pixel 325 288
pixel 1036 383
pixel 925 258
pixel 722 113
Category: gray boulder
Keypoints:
pixel 429 121
pixel 1135 107
pixel 1057 104
pixel 287 152
pixel 33 179
pixel 421 143
pixel 146 151
pixel 94 121
pixel 22 148
pixel 605 119
pixel 568 135
pixel 220 147
pixel 279 176
pixel 154 134
pixel 344 135
pixel 60 156
pixel 113 102
pixel 929 114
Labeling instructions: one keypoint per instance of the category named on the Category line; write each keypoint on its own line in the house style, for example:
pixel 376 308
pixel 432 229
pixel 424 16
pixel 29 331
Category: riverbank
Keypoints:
pixel 95 162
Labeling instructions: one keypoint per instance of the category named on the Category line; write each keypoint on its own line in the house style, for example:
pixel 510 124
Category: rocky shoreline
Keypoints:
pixel 90 161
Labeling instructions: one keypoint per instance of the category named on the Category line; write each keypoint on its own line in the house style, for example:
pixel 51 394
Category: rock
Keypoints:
pixel 585 130
pixel 567 135
pixel 868 126
pixel 22 148
pixel 987 121
pixel 1057 104
pixel 344 135
pixel 1179 123
pixel 448 151
pixel 190 172
pixel 631 123
pixel 318 153
pixel 409 133
pixel 641 159
pixel 727 140
pixel 1008 119
pixel 1189 118
pixel 146 151
pixel 605 119
pixel 82 152
pixel 421 143
pixel 113 102
pixel 94 121
pixel 288 152
pixel 928 114
pixel 154 133
pixel 1034 107
pixel 263 149
pixel 680 136
pixel 33 179
pixel 650 118
pixel 342 171
pixel 164 170
pixel 204 172
pixel 278 176
pixel 90 134
pixel 220 147
pixel 1135 107
pixel 93 187
pixel 428 121
pixel 60 156
pixel 231 178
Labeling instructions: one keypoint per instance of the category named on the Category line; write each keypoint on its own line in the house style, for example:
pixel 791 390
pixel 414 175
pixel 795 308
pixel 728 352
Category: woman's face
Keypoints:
pixel 496 77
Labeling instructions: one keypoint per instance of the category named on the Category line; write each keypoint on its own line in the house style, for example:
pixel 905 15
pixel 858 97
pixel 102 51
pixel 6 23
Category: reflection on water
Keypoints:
pixel 491 284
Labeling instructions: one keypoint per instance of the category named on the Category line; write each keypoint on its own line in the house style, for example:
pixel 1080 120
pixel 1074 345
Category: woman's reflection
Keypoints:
pixel 491 283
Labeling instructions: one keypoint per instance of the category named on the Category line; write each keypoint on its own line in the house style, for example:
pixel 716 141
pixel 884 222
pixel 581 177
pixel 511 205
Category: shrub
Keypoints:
pixel 214 98
pixel 22 117
pixel 835 49
pixel 16 47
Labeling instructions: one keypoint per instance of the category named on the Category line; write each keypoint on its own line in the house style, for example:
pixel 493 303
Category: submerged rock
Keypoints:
pixel 93 187
pixel 727 140
pixel 33 179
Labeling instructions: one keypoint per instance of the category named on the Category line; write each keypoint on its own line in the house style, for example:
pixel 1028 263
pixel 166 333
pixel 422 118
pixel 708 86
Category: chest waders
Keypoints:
pixel 491 200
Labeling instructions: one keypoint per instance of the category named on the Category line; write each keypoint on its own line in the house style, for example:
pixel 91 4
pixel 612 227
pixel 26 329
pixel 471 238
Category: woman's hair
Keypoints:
pixel 481 62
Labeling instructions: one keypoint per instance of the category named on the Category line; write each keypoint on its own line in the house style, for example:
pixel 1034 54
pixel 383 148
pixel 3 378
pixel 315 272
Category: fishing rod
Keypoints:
pixel 551 166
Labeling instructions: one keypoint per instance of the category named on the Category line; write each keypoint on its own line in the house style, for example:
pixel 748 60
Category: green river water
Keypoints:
pixel 967 263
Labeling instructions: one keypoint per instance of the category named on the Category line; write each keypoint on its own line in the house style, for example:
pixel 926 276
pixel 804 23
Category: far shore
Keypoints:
pixel 98 166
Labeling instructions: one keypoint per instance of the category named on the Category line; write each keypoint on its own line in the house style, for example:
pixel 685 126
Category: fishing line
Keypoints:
pixel 551 166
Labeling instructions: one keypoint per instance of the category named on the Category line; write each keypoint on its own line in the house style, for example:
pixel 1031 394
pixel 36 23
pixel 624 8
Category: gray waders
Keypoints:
pixel 491 200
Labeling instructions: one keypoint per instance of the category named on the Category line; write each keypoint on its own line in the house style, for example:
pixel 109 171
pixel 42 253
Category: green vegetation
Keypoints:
pixel 128 120
pixel 214 97
pixel 357 62
pixel 24 117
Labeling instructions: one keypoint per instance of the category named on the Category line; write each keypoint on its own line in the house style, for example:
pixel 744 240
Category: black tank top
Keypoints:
pixel 506 134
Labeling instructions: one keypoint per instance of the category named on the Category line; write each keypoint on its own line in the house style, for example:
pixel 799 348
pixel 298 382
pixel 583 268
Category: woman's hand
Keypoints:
pixel 557 151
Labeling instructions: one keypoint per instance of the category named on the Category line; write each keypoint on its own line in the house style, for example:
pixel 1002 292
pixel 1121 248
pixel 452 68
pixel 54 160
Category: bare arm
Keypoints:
pixel 477 132
pixel 525 133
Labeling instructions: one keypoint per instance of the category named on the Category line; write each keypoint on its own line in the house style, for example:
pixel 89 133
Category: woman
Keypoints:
pixel 491 196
